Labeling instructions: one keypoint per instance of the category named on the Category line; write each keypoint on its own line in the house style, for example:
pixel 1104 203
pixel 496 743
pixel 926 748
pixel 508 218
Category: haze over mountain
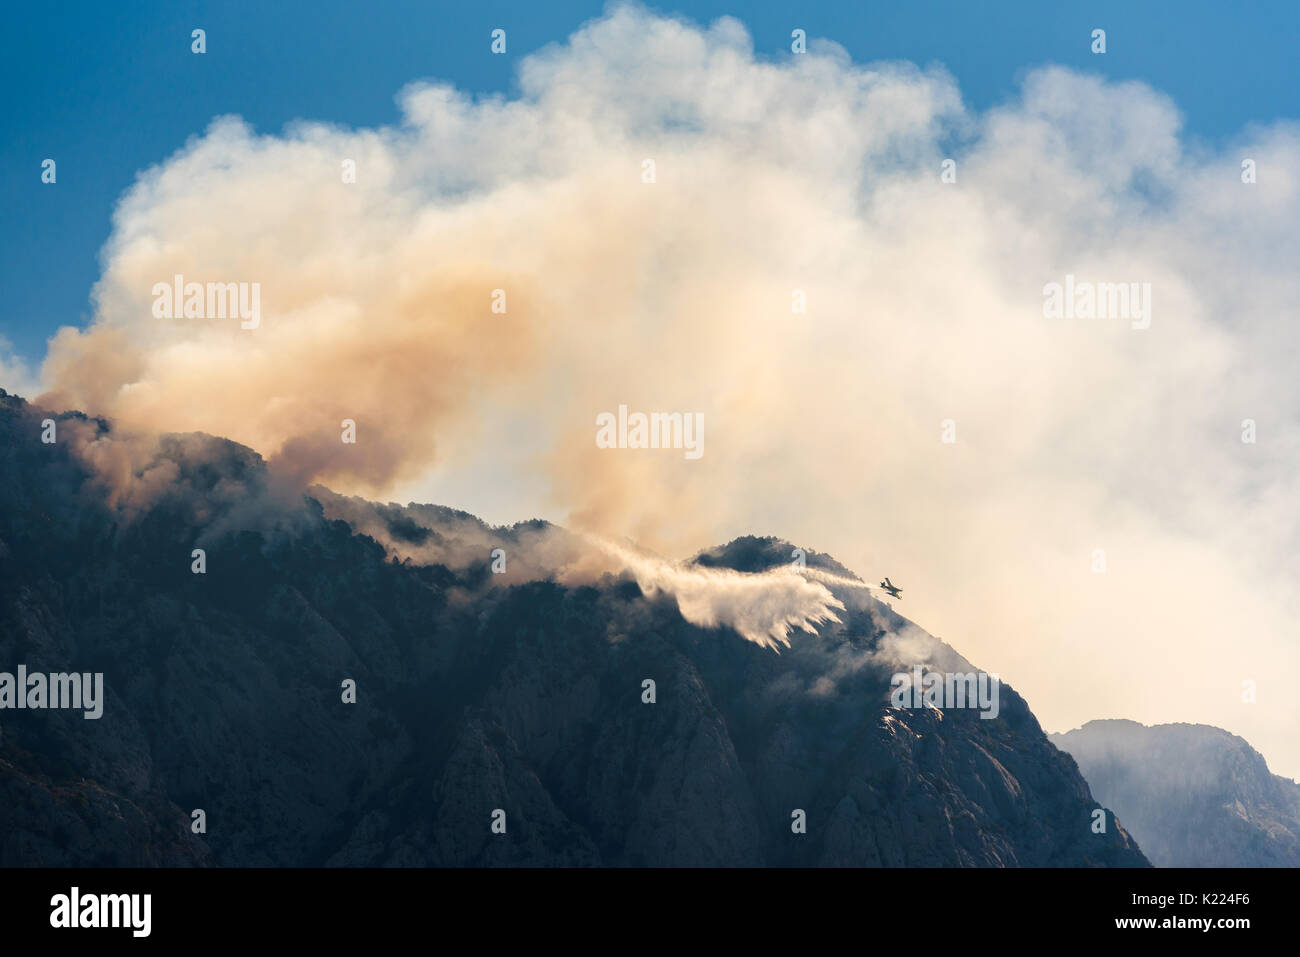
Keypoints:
pixel 1192 795
pixel 475 692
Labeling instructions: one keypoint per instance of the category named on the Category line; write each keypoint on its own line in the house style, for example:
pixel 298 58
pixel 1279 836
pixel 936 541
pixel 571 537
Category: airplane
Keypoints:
pixel 894 591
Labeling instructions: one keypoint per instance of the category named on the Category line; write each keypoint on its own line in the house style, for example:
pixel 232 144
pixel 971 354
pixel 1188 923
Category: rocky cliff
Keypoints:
pixel 1193 795
pixel 225 693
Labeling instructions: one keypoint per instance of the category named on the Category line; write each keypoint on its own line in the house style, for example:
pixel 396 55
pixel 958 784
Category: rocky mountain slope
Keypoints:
pixel 1193 795
pixel 473 694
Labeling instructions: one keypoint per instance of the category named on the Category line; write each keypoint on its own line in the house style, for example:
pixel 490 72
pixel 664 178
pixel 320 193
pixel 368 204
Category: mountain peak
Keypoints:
pixel 1194 795
pixel 754 553
pixel 612 725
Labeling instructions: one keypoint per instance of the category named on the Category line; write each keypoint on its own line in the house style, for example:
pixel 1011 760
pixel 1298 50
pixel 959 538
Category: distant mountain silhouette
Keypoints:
pixel 1193 795
pixel 224 694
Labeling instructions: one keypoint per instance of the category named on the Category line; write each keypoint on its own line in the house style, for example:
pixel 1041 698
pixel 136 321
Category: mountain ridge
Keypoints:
pixel 1193 794
pixel 473 694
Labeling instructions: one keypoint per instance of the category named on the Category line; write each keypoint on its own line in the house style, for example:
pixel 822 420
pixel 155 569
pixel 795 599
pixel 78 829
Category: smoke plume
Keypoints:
pixel 675 224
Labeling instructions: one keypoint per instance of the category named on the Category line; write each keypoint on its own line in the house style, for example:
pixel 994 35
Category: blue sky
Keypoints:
pixel 108 90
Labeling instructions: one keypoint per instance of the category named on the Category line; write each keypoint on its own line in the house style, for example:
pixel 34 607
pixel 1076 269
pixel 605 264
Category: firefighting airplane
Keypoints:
pixel 894 591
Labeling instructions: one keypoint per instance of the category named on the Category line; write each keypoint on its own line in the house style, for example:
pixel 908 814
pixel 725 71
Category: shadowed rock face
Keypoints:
pixel 224 693
pixel 1194 795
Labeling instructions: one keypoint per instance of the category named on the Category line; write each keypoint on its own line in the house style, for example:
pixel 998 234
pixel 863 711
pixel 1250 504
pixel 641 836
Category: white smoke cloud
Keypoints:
pixel 764 607
pixel 925 303
pixel 15 376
